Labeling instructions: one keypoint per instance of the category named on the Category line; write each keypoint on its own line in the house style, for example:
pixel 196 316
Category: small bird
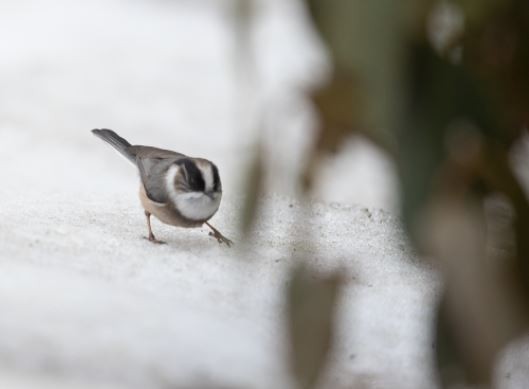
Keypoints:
pixel 177 189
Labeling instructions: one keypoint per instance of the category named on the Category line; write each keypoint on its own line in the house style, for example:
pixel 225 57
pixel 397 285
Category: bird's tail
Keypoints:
pixel 117 142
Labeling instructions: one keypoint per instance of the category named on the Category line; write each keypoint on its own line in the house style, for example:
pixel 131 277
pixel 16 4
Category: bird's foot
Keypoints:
pixel 152 239
pixel 221 238
pixel 217 235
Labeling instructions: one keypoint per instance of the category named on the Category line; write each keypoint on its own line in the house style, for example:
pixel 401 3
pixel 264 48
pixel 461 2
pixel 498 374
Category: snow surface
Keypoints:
pixel 87 303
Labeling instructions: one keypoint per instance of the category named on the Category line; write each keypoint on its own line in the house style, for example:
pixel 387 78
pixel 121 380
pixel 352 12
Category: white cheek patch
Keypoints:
pixel 196 205
pixel 170 179
pixel 193 205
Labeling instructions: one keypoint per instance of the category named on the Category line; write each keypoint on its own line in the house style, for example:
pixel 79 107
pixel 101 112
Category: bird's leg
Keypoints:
pixel 217 235
pixel 151 237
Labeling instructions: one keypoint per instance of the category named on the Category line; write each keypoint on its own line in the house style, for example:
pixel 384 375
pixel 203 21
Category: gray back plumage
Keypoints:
pixel 152 162
pixel 153 173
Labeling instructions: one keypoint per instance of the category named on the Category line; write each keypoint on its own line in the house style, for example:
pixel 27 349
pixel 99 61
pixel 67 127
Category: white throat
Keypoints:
pixel 192 205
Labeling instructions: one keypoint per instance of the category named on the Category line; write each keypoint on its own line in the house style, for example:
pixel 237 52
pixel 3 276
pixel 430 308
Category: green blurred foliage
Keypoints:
pixel 371 71
pixel 446 97
pixel 443 87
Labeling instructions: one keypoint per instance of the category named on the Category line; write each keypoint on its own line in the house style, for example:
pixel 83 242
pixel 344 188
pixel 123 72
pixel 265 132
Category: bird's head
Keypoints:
pixel 194 187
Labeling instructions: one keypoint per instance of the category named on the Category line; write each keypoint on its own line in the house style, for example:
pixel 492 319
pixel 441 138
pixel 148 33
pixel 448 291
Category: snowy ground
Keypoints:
pixel 87 303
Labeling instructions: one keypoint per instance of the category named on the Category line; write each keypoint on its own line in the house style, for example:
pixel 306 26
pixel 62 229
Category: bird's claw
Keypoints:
pixel 220 238
pixel 152 239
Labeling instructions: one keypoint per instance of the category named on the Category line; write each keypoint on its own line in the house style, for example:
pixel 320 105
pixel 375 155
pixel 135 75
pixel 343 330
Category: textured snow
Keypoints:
pixel 88 298
pixel 86 302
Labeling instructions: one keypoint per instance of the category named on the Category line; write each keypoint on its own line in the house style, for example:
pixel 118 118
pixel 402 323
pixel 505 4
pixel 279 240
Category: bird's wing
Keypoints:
pixel 153 172
pixel 153 152
pixel 153 163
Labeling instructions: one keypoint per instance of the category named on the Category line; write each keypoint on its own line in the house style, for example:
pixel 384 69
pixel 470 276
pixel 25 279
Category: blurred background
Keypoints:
pixel 373 163
pixel 171 73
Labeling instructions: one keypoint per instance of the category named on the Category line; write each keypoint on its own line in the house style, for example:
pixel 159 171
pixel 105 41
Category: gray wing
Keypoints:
pixel 153 152
pixel 153 163
pixel 152 173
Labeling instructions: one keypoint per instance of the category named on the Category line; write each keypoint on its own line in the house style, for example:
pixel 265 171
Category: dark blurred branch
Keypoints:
pixel 311 312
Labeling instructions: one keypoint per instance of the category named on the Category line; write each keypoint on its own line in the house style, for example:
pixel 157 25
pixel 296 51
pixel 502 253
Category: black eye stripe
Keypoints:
pixel 194 175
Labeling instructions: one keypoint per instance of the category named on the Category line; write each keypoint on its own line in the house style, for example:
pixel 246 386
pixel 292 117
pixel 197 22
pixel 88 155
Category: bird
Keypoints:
pixel 178 190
